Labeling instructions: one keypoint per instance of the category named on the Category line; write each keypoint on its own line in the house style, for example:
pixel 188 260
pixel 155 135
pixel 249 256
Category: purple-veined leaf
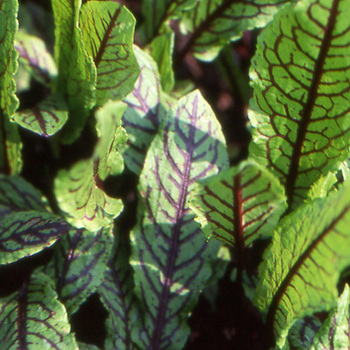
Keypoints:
pixel 240 205
pixel 303 332
pixel 26 233
pixel 35 58
pixel 108 33
pixel 79 264
pixel 17 195
pixel 79 191
pixel 77 72
pixel 117 294
pixel 335 331
pixel 26 227
pixel 301 105
pixel 301 267
pixel 46 118
pixel 147 107
pixel 170 256
pixel 212 24
pixel 10 143
pixel 157 12
pixel 33 318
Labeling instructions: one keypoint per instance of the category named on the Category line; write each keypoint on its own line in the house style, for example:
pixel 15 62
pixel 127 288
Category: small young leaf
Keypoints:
pixel 300 75
pixel 45 119
pixel 79 191
pixel 161 49
pixel 79 264
pixel 303 332
pixel 158 12
pixel 335 331
pixel 10 143
pixel 301 267
pixel 77 72
pixel 212 24
pixel 147 107
pixel 108 33
pixel 240 205
pixel 34 56
pixel 33 318
pixel 170 256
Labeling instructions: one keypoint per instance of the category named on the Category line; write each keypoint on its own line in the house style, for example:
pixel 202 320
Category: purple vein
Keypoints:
pixel 175 241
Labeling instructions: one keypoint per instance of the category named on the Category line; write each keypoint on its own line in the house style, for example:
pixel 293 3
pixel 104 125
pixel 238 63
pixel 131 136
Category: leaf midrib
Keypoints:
pixel 306 114
pixel 274 305
pixel 106 37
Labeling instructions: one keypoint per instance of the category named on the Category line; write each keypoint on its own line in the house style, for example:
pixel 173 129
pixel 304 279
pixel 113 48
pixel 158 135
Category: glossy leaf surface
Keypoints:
pixel 33 318
pixel 108 33
pixel 147 107
pixel 77 72
pixel 300 113
pixel 170 256
pixel 79 264
pixel 301 267
pixel 80 191
pixel 240 205
pixel 212 24
pixel 46 118
pixel 10 144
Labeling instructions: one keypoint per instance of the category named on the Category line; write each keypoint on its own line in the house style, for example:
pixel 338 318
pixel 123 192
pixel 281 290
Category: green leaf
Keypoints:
pixel 240 205
pixel 161 49
pixel 147 107
pixel 33 318
pixel 117 295
pixel 157 12
pixel 10 143
pixel 46 118
pixel 108 33
pixel 334 333
pixel 26 233
pixel 17 195
pixel 79 264
pixel 303 332
pixel 212 24
pixel 77 72
pixel 300 112
pixel 25 225
pixel 301 267
pixel 170 256
pixel 79 191
pixel 35 58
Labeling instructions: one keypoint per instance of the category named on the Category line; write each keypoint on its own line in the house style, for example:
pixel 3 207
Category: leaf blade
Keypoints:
pixel 108 30
pixel 300 127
